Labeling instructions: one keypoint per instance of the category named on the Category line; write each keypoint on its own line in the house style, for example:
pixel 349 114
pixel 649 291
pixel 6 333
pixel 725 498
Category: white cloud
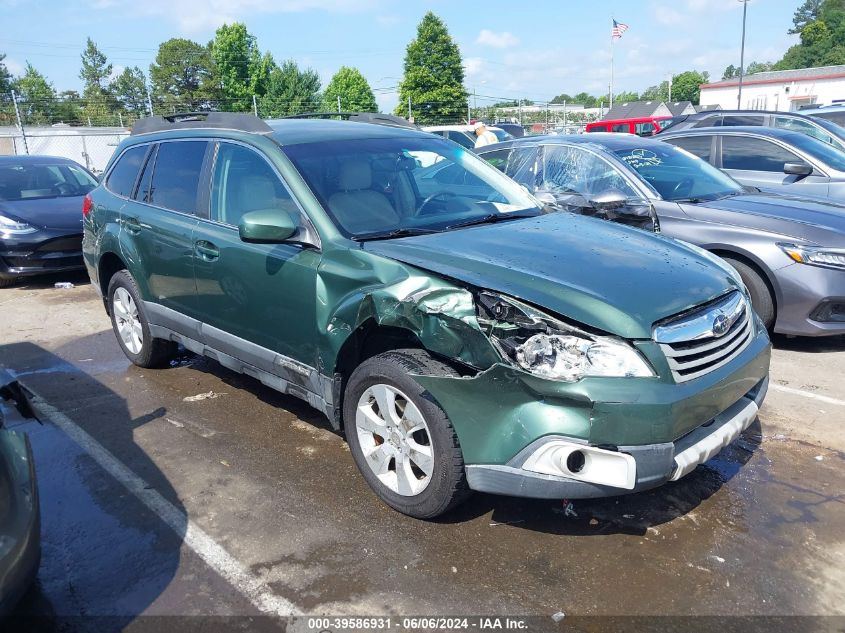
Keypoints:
pixel 504 39
pixel 14 67
pixel 199 16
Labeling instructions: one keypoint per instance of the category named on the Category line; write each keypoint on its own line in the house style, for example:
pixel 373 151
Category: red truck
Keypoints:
pixel 645 126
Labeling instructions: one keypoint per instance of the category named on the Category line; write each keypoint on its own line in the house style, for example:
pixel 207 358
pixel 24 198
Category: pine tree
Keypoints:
pixel 350 86
pixel 434 75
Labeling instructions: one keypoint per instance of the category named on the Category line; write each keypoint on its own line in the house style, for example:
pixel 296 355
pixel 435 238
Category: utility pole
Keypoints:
pixel 671 78
pixel 410 116
pixel 469 112
pixel 742 55
pixel 20 122
pixel 120 119
pixel 254 106
pixel 338 103
pixel 564 116
pixel 149 103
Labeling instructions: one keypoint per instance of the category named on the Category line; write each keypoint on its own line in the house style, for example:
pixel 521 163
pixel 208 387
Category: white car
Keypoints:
pixel 464 134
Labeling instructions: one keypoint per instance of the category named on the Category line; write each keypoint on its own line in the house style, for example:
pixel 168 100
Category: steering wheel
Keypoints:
pixel 436 194
pixel 683 188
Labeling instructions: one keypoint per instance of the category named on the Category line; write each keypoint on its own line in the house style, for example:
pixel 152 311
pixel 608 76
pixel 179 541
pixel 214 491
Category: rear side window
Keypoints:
pixel 802 126
pixel 176 177
pixel 645 129
pixel 754 154
pixel 621 127
pixel 836 116
pixel 598 128
pixel 695 145
pixel 123 174
pixel 142 193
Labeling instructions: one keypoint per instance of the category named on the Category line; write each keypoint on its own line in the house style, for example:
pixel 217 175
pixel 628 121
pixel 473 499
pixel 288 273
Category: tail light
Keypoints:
pixel 87 205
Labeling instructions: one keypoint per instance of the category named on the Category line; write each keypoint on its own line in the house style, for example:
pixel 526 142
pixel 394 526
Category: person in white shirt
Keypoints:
pixel 484 136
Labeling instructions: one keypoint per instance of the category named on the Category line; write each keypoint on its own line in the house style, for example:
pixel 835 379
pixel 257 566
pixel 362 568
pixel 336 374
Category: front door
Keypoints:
pixel 256 297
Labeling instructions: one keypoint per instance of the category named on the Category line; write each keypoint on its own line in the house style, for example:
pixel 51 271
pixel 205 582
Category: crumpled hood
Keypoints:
pixel 608 276
pixel 51 213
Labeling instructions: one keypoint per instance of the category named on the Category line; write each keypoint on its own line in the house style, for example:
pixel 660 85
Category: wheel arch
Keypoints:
pixel 752 262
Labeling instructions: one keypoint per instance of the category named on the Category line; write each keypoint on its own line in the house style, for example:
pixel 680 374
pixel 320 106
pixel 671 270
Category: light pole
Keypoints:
pixel 742 55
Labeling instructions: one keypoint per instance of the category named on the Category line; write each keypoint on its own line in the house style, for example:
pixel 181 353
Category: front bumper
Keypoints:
pixel 804 293
pixel 45 251
pixel 652 464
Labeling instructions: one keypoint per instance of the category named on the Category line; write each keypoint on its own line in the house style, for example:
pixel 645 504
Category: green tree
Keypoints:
pixel 730 72
pixel 95 71
pixel 37 97
pixel 585 99
pixel 625 97
pixel 290 91
pixel 182 76
pixel 806 13
pixel 686 86
pixel 758 67
pixel 659 92
pixel 130 90
pixel 562 98
pixel 5 76
pixel 350 86
pixel 68 108
pixel 241 71
pixel 434 75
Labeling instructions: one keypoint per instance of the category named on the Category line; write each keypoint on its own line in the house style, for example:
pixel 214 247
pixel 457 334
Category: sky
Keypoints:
pixel 509 52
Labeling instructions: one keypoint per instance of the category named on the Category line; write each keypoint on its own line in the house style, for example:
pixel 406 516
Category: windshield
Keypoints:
pixel 380 187
pixel 59 180
pixel 824 152
pixel 678 175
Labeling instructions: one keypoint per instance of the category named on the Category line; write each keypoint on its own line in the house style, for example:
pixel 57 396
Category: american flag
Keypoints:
pixel 618 30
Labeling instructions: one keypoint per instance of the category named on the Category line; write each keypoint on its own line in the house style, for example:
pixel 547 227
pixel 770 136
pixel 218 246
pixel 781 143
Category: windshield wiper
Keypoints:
pixel 389 235
pixel 492 218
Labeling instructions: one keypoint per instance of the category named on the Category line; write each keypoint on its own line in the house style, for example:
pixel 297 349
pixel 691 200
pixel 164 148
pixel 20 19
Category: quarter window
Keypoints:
pixel 733 120
pixel 122 177
pixel 754 154
pixel 175 181
pixel 645 129
pixel 799 125
pixel 244 182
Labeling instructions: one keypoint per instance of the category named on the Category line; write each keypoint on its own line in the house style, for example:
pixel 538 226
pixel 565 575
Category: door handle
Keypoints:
pixel 132 225
pixel 206 250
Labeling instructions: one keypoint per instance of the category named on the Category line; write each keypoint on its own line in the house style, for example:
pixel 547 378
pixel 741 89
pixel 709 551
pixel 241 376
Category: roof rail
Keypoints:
pixel 189 120
pixel 377 118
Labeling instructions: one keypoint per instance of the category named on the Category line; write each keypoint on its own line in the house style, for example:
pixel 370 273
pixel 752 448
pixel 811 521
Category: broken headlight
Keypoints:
pixel 547 347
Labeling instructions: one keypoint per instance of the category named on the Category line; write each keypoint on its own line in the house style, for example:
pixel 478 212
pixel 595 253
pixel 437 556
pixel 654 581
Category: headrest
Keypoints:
pixel 354 175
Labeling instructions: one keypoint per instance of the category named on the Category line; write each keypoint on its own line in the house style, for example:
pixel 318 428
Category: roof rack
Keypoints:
pixel 377 118
pixel 189 120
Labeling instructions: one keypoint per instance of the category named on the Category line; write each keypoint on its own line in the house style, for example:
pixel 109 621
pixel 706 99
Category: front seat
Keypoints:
pixel 358 208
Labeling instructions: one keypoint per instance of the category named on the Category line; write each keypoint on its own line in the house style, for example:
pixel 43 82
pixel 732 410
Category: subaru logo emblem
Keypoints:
pixel 721 325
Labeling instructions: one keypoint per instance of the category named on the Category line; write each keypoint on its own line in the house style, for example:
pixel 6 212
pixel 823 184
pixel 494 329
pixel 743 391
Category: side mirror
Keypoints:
pixel 609 200
pixel 267 226
pixel 797 169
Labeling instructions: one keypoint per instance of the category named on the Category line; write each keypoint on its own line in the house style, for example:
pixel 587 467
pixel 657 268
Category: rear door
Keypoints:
pixel 759 162
pixel 256 297
pixel 159 222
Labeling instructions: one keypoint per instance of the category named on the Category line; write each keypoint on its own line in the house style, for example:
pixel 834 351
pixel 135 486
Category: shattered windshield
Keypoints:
pixel 678 175
pixel 392 187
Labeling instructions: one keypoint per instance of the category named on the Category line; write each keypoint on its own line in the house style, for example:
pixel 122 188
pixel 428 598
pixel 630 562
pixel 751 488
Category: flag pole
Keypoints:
pixel 611 69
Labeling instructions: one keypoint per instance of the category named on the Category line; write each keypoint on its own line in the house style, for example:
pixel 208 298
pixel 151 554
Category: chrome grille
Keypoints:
pixel 700 341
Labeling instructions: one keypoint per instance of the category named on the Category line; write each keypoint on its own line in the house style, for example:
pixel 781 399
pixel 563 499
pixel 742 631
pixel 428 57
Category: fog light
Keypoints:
pixel 575 462
pixel 600 466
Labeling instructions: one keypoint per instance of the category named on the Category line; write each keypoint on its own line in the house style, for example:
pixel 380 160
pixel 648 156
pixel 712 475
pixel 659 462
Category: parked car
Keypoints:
pixel 834 113
pixel 464 134
pixel 816 127
pixel 789 251
pixel 463 338
pixel 643 126
pixel 769 158
pixel 514 129
pixel 40 223
pixel 20 515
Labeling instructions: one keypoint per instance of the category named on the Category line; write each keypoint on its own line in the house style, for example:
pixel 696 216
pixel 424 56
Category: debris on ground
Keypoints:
pixel 557 617
pixel 225 463
pixel 454 570
pixel 819 458
pixel 627 516
pixel 63 285
pixel 718 559
pixel 568 509
pixel 208 395
pixel 594 522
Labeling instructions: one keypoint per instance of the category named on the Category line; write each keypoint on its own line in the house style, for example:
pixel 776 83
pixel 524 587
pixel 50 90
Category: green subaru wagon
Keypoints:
pixel 460 334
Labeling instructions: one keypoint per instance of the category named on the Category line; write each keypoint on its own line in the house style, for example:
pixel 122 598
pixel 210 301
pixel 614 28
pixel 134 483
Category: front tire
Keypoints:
pixel 131 326
pixel 761 297
pixel 402 441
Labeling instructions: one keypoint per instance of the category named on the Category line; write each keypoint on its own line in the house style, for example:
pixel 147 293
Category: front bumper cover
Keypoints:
pixel 656 464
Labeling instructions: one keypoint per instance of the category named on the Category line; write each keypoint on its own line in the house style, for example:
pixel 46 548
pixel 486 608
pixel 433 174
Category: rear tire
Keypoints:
pixel 409 454
pixel 131 326
pixel 761 296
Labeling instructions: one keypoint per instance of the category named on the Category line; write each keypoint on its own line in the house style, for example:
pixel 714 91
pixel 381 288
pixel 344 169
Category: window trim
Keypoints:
pixel 108 173
pixel 315 240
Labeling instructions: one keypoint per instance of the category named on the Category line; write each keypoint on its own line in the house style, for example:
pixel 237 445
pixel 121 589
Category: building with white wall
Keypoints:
pixel 779 89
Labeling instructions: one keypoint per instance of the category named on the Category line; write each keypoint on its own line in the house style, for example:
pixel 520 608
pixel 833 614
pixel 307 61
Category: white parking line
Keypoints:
pixel 807 394
pixel 214 555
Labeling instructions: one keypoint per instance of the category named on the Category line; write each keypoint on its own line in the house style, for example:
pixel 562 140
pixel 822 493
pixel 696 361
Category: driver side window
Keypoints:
pixel 243 181
pixel 572 170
